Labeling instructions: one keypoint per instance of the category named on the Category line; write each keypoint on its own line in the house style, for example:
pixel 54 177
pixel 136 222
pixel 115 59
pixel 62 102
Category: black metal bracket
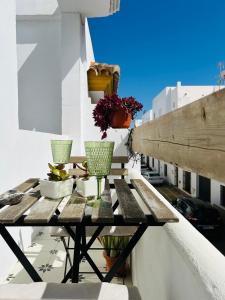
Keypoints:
pixel 19 254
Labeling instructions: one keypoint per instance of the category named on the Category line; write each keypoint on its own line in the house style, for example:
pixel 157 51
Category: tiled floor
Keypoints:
pixel 47 255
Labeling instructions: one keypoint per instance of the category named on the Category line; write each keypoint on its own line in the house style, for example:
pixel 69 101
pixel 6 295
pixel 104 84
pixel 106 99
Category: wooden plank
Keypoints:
pixel 118 172
pixel 26 185
pixel 12 213
pixel 102 210
pixel 191 137
pixel 130 208
pixel 43 211
pixel 115 159
pixel 159 210
pixel 113 172
pixel 74 209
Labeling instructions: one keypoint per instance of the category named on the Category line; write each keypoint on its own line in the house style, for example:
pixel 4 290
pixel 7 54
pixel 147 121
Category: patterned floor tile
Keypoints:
pixel 48 256
pixel 19 275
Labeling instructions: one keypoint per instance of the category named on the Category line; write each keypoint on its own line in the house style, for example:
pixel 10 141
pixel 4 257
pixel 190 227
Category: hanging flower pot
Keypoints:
pixel 113 111
pixel 121 119
pixel 61 150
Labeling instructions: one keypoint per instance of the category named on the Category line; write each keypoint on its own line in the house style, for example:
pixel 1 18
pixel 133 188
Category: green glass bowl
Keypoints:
pixel 99 157
pixel 61 150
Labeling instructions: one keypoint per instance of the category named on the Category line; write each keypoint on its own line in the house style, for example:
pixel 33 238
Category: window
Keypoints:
pixel 222 195
pixel 153 163
pixel 165 170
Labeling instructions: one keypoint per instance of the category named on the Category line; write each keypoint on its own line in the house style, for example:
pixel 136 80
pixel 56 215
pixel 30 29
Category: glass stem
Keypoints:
pixel 99 183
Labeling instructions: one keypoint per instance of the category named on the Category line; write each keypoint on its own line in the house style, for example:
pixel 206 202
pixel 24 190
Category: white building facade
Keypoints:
pixel 169 99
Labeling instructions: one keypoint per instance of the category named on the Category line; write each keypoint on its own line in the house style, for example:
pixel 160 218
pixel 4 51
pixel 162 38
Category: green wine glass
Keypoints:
pixel 99 160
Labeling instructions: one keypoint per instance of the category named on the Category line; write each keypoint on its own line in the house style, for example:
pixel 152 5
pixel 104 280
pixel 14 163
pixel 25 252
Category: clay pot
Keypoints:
pixel 110 262
pixel 121 119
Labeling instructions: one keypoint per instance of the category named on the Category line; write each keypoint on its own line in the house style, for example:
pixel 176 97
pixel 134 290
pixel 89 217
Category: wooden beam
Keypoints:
pixel 159 210
pixel 113 172
pixel 115 159
pixel 191 137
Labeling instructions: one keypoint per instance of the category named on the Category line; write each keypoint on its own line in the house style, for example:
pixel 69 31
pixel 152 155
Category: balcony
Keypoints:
pixel 171 262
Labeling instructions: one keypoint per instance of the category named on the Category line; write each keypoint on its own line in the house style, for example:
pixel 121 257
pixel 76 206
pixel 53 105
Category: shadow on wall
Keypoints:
pixel 120 148
pixel 39 76
pixel 46 55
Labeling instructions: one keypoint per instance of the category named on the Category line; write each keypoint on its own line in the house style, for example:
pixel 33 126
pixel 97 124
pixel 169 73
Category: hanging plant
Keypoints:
pixel 111 108
pixel 135 156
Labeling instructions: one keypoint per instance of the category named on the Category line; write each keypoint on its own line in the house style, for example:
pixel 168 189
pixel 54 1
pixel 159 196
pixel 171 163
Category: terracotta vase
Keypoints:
pixel 110 262
pixel 121 119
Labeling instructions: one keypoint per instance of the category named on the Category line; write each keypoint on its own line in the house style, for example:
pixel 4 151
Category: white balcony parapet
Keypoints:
pixel 87 8
pixel 176 262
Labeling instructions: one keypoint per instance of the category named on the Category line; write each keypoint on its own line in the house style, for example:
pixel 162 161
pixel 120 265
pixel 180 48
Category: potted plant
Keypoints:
pixel 87 185
pixel 59 183
pixel 113 111
pixel 61 150
pixel 112 247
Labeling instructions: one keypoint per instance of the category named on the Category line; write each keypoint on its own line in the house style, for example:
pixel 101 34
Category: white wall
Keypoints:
pixel 161 104
pixel 194 185
pixel 189 94
pixel 71 77
pixel 39 75
pixel 170 173
pixel 215 191
pixel 24 154
pixel 147 116
pixel 171 98
pixel 88 8
pixel 175 262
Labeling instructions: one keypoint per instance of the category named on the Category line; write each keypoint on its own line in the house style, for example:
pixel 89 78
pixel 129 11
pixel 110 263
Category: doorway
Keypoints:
pixel 165 170
pixel 222 195
pixel 204 185
pixel 187 181
pixel 176 176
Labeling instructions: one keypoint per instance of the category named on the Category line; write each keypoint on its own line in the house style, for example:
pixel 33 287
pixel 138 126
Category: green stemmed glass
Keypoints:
pixel 99 160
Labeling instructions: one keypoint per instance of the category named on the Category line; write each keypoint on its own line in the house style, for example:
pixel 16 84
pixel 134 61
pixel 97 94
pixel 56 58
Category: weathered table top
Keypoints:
pixel 35 210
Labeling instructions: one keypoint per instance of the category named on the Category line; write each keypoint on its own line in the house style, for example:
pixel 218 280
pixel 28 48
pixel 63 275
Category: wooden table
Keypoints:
pixel 46 213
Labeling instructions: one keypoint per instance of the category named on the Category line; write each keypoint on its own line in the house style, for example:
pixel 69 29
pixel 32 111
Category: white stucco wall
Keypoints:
pixel 147 116
pixel 175 262
pixel 215 191
pixel 88 8
pixel 188 94
pixel 39 75
pixel 170 174
pixel 24 154
pixel 171 98
pixel 161 104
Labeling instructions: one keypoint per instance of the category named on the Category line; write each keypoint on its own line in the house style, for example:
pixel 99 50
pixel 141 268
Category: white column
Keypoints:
pixel 8 69
pixel 71 78
pixel 9 108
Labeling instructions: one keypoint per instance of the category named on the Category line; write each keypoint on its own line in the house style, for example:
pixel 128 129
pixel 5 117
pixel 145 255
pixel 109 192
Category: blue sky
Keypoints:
pixel 157 43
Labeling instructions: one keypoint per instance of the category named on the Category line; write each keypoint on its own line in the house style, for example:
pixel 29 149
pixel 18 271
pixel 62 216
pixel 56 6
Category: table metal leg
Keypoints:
pixel 76 255
pixel 19 254
pixel 126 252
pixel 84 250
pixel 85 247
